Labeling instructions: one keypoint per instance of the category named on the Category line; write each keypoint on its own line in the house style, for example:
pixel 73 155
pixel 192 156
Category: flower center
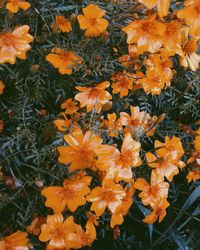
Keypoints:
pixel 197 8
pixel 190 47
pixel 153 190
pixel 57 234
pixel 65 56
pixel 126 158
pixel 61 20
pixel 6 40
pixel 108 196
pixel 146 26
pixel 135 122
pixel 159 211
pixel 65 193
pixel 94 93
pixel 93 21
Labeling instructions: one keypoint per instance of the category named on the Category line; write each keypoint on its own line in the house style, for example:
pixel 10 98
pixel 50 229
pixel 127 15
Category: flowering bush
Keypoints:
pixel 99 124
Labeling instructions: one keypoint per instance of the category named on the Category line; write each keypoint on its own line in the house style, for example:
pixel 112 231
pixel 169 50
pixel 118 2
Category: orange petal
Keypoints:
pixel 141 184
pixel 93 11
pixel 54 60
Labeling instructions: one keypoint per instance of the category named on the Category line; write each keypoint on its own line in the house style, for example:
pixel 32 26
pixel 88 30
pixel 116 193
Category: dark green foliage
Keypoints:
pixel 29 140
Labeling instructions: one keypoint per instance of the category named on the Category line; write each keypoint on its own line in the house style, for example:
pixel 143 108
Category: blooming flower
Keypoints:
pixel 70 106
pixel 153 192
pixel 193 175
pixel 152 82
pixel 14 44
pixel 2 86
pixel 65 61
pixel 92 21
pixel 131 59
pixel 117 217
pixel 72 194
pixel 122 83
pixel 93 97
pixel 162 6
pixel 62 124
pixel 159 212
pixel 171 39
pixel 17 240
pixel 60 233
pixel 194 160
pixel 188 56
pixel 162 64
pixel 172 148
pixel 112 124
pixel 164 165
pixel 147 33
pixel 89 235
pixel 80 152
pixel 136 123
pixel 63 24
pixel 118 164
pixel 14 5
pixel 35 226
pixel 191 13
pixel 109 196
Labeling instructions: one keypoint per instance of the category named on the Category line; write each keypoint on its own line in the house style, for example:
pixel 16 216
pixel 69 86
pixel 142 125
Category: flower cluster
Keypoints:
pixel 103 152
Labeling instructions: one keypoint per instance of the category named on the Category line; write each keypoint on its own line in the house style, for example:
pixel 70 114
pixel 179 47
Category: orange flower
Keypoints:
pixel 14 44
pixel 89 235
pixel 2 86
pixel 72 194
pixel 65 61
pixel 152 82
pixel 153 192
pixel 172 37
pixel 131 59
pixel 17 240
pixel 34 228
pixel 168 157
pixel 147 33
pixel 193 175
pixel 162 6
pixel 80 152
pixel 122 83
pixel 92 21
pixel 70 106
pixel 15 5
pixel 194 160
pixel 197 140
pixel 118 164
pixel 117 217
pixel 191 13
pixel 62 124
pixel 136 123
pixel 61 233
pixel 112 124
pixel 63 24
pixel 163 65
pixel 172 148
pixel 159 212
pixel 93 97
pixel 188 56
pixel 1 125
pixel 109 196
pixel 165 165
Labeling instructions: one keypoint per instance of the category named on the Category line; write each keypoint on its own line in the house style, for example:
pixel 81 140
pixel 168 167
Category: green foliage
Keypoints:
pixel 28 143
